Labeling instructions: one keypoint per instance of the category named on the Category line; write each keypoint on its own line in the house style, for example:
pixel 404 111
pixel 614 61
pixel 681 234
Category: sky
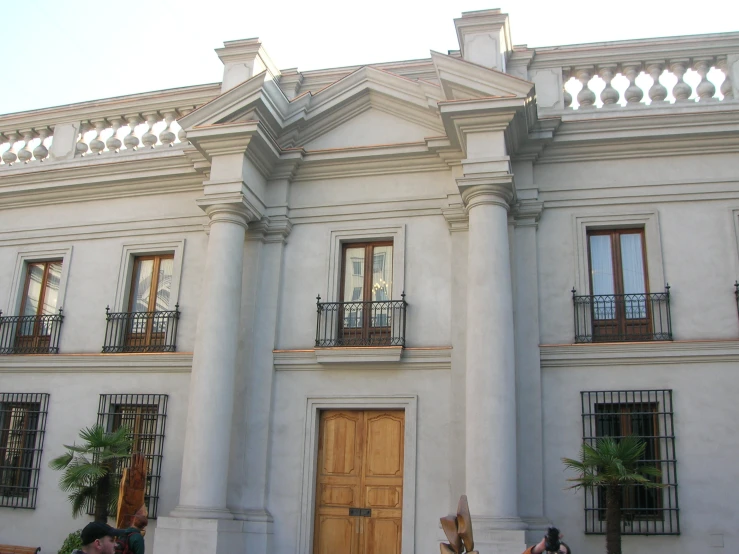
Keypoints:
pixel 64 51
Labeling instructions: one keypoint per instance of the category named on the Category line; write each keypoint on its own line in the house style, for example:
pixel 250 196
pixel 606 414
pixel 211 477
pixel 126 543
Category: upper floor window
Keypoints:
pixel 36 329
pixel 151 283
pixel 22 426
pixel 367 277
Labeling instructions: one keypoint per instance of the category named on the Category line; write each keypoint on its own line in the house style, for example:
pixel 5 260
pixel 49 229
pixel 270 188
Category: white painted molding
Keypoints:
pixel 735 222
pixel 130 251
pixel 430 359
pixel 649 220
pixel 314 405
pixel 180 362
pixel 362 233
pixel 639 353
pixel 19 274
pixel 359 355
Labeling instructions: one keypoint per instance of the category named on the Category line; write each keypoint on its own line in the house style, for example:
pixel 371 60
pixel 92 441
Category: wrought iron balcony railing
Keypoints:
pixel 141 331
pixel 622 317
pixel 30 334
pixel 377 323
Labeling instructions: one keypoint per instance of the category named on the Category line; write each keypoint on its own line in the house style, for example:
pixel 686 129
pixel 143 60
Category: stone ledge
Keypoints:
pixel 639 353
pixel 392 357
pixel 166 362
pixel 382 354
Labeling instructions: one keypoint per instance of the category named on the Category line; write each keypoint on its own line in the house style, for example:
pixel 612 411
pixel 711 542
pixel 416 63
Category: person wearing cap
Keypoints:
pixel 541 548
pixel 98 538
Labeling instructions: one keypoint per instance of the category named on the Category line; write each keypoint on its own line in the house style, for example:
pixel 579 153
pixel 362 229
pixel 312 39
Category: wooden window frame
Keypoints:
pixel 150 336
pixel 37 339
pixel 620 325
pixel 366 329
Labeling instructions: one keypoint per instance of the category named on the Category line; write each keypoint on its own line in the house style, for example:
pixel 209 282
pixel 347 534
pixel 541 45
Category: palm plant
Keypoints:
pixel 613 464
pixel 89 470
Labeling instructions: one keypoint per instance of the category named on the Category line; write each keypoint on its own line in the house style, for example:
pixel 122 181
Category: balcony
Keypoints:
pixel 622 317
pixel 30 334
pixel 361 324
pixel 141 331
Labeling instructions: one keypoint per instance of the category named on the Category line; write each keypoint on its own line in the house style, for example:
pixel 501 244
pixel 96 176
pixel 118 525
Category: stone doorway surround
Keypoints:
pixel 314 405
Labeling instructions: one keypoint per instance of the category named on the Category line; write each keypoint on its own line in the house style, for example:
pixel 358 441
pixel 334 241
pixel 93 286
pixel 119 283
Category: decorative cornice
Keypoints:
pixel 644 353
pixel 527 213
pixel 180 362
pixel 457 218
pixel 270 229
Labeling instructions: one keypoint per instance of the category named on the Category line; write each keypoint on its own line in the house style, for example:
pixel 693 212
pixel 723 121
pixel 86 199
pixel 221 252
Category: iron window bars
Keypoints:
pixel 370 323
pixel 145 415
pixel 622 317
pixel 141 331
pixel 648 415
pixel 22 429
pixel 30 334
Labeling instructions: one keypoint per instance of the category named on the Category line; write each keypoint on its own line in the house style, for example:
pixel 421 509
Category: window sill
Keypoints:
pixel 361 354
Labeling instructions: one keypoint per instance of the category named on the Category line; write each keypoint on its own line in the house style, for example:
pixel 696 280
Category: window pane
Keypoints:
pixel 142 286
pixel 382 273
pixel 52 287
pixel 33 293
pixel 632 263
pixel 353 274
pixel 164 283
pixel 601 274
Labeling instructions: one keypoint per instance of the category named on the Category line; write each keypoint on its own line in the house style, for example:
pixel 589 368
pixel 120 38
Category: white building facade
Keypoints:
pixel 490 232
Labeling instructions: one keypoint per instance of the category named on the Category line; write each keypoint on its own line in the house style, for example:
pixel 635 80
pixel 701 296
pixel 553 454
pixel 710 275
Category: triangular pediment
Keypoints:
pixel 463 80
pixel 371 126
pixel 408 108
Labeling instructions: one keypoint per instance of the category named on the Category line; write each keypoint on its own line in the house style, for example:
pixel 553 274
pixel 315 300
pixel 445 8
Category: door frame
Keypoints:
pixel 314 406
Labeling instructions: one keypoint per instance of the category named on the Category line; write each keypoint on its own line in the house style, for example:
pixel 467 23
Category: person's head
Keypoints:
pixel 564 548
pixel 99 538
pixel 141 519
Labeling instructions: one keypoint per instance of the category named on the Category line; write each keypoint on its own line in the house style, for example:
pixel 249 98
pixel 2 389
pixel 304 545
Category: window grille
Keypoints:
pixel 145 415
pixel 646 414
pixel 22 428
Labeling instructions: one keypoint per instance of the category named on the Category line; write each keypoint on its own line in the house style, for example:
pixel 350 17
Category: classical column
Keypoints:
pixel 208 433
pixel 491 381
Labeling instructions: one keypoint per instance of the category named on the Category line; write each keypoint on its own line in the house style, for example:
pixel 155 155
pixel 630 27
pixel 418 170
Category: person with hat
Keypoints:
pixel 98 538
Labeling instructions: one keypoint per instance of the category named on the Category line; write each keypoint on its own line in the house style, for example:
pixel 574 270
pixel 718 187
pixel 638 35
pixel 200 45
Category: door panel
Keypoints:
pixel 360 467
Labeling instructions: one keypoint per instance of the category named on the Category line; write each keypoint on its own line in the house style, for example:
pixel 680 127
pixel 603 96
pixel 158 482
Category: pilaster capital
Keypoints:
pixel 270 229
pixel 486 192
pixel 527 213
pixel 457 218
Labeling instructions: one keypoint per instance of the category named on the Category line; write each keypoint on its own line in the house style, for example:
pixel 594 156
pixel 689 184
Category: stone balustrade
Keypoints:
pixel 636 73
pixel 113 127
pixel 637 83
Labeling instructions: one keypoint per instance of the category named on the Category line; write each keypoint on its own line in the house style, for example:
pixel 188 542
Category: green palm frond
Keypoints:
pixel 84 465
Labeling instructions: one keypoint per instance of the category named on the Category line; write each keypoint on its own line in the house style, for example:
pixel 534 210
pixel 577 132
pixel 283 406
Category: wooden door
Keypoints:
pixel 359 484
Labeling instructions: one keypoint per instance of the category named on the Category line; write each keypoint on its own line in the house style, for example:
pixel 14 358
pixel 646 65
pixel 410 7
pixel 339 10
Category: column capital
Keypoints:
pixel 488 192
pixel 234 208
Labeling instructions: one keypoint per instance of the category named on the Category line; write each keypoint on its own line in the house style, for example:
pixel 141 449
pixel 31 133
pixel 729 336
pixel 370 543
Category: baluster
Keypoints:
pixel 682 90
pixel 97 145
pixel 167 137
pixel 150 139
pixel 610 96
pixel 81 147
pixel 586 97
pixel 25 154
pixel 726 88
pixel 9 156
pixel 114 143
pixel 41 152
pixel 657 92
pixel 181 134
pixel 633 93
pixel 566 96
pixel 705 89
pixel 131 140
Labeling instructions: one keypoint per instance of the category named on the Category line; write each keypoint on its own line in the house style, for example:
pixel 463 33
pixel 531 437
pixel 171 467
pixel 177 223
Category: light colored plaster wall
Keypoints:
pixel 696 227
pixel 97 232
pixel 705 445
pixel 427 279
pixel 292 388
pixel 73 404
